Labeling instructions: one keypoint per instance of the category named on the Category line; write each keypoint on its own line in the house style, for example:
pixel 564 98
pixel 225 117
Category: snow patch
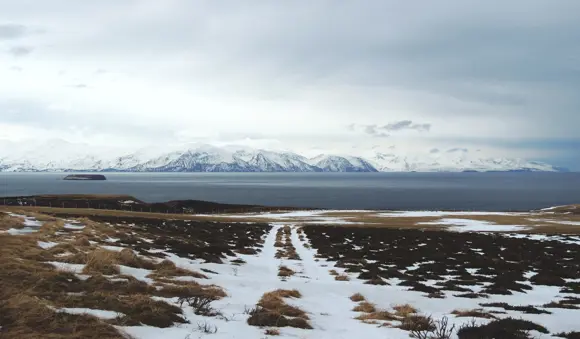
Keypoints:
pixel 468 225
pixel 97 313
pixel 46 244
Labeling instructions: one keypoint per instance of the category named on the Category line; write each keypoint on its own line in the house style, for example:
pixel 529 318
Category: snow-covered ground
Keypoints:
pixel 325 299
pixel 422 214
pixel 457 221
pixel 467 225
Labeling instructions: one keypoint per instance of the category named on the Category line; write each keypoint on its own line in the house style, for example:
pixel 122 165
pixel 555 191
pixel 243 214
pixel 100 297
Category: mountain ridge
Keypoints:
pixel 209 158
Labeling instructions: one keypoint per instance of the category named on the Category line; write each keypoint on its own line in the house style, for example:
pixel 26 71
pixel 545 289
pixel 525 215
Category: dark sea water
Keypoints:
pixel 403 191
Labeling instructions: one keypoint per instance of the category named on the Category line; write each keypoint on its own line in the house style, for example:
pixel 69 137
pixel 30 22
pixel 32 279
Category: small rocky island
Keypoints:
pixel 85 177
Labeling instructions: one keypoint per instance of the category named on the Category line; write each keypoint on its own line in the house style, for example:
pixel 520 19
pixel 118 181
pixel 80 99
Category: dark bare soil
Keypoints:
pixel 210 241
pixel 497 263
pixel 503 328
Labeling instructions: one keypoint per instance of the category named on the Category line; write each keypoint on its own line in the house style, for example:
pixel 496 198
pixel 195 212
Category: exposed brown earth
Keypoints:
pixel 494 262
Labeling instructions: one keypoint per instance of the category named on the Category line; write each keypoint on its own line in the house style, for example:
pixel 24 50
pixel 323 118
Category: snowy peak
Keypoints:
pixel 334 163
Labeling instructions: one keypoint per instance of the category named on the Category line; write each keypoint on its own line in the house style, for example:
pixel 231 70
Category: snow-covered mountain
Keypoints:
pixel 59 155
pixel 335 163
pixel 456 163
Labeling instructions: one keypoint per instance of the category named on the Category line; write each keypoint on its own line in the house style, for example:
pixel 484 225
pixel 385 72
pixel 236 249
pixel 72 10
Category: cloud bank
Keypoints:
pixel 496 76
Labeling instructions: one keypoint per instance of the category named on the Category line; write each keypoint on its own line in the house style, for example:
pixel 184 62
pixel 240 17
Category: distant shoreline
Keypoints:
pixel 130 203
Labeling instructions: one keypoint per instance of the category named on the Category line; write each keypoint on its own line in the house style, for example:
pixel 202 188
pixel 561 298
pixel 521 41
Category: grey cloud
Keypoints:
pixel 12 31
pixel 457 150
pixel 434 150
pixel 406 124
pixel 16 69
pixel 20 51
pixel 455 59
pixel 393 127
pixel 79 86
pixel 375 131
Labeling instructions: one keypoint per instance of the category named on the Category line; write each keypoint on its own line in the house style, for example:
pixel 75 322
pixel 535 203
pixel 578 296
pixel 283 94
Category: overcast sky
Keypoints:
pixel 502 77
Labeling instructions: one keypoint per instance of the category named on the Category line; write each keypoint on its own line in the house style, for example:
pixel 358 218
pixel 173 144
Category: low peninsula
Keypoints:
pixel 85 177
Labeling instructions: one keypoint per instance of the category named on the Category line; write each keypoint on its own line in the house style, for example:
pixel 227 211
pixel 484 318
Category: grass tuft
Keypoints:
pixel 284 271
pixel 475 313
pixel 101 261
pixel 404 310
pixel 366 307
pixel 272 331
pixel 273 311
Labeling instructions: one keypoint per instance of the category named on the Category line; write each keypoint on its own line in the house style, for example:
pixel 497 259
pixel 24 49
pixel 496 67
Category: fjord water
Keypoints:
pixel 401 191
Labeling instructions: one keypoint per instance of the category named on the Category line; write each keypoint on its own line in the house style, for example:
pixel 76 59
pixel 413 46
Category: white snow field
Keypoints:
pixel 327 301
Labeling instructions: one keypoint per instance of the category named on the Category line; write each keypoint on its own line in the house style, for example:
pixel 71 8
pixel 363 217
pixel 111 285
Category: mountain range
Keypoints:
pixel 61 156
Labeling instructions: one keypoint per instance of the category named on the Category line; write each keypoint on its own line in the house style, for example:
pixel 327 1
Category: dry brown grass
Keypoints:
pixel 51 227
pixel 82 240
pixel 475 313
pixel 64 247
pixel 27 288
pixel 172 288
pixel 273 311
pixel 371 315
pixel 26 317
pixel 96 230
pixel 102 261
pixel 342 277
pixel 136 308
pixel 273 301
pixel 404 310
pixel 365 307
pixel 7 222
pixel 286 293
pixel 417 323
pixel 167 268
pixel 41 216
pixel 284 271
pixel 333 272
pixel 128 258
pixel 366 219
pixel 272 331
pixel 377 315
pixel 31 291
